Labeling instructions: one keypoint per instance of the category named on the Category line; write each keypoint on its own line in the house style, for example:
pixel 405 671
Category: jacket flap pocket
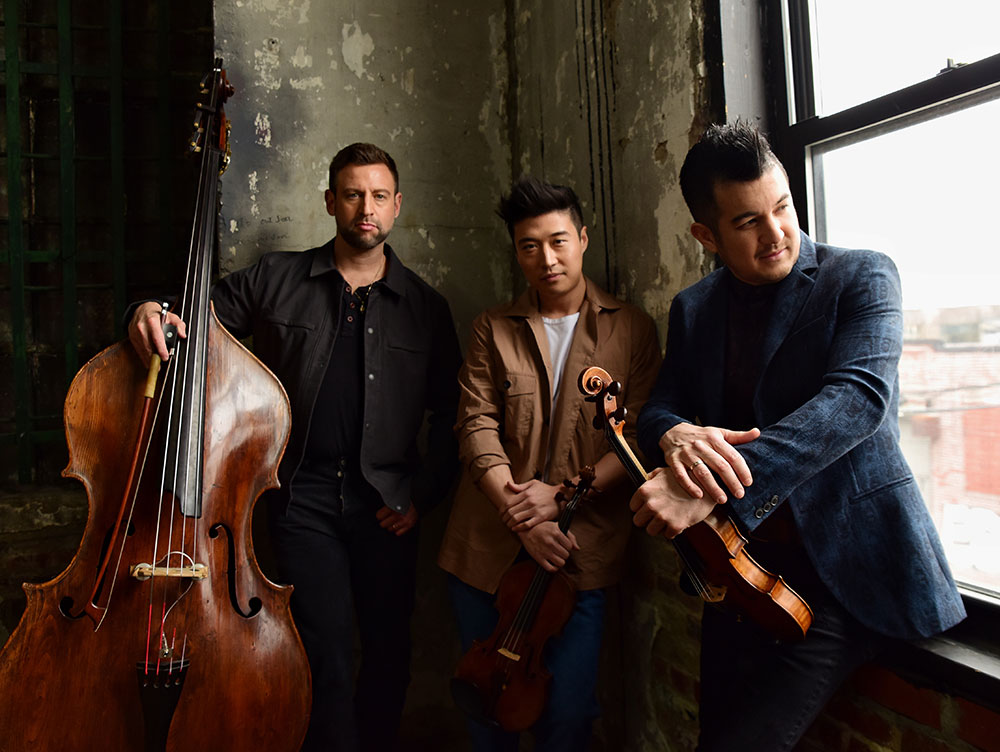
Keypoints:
pixel 519 383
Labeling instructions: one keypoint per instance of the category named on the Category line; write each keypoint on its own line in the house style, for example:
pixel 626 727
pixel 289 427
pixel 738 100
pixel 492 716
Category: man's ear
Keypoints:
pixel 399 203
pixel 331 202
pixel 704 235
pixel 584 240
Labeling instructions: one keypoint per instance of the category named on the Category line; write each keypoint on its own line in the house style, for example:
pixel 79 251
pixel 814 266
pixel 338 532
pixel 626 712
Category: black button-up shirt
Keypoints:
pixel 411 358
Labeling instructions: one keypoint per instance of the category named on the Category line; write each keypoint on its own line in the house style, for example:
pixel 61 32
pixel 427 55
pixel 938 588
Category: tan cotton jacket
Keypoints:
pixel 505 417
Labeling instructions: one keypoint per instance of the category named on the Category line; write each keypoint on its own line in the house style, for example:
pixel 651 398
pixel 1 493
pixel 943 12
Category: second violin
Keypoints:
pixel 502 680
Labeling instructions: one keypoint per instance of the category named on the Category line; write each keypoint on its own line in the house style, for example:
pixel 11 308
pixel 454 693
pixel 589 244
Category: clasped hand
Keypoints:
pixel 548 545
pixel 529 504
pixel 685 491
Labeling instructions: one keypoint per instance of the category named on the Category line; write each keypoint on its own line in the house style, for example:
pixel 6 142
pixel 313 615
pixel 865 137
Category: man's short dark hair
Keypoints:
pixel 362 154
pixel 530 197
pixel 737 152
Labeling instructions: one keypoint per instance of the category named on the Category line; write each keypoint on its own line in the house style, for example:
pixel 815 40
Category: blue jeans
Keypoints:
pixel 331 548
pixel 572 658
pixel 759 694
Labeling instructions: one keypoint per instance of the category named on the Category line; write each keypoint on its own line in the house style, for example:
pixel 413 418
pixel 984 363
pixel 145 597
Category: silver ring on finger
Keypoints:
pixel 695 464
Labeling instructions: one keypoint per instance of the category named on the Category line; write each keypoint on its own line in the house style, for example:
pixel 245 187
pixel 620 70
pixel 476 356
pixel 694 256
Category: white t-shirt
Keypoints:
pixel 560 334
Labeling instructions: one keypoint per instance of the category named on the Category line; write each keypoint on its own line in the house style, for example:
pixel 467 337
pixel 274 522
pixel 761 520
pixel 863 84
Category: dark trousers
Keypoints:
pixel 759 694
pixel 335 554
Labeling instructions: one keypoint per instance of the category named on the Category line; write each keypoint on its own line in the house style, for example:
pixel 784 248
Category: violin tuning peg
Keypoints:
pixel 620 414
pixel 615 388
pixel 598 423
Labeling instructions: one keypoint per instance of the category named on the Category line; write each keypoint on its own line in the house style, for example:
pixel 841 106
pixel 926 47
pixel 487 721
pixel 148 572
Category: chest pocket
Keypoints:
pixel 519 392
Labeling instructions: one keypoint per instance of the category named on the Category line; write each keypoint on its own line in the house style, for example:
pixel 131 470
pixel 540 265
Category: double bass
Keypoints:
pixel 162 634
pixel 712 552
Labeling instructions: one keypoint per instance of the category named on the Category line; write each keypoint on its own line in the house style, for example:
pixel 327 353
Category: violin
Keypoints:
pixel 162 634
pixel 502 681
pixel 712 552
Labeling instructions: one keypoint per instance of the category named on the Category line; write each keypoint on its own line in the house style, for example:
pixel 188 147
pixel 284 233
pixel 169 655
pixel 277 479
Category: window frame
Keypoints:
pixel 966 659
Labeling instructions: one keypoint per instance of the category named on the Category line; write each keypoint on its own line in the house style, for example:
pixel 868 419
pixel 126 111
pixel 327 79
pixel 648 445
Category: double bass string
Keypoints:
pixel 187 399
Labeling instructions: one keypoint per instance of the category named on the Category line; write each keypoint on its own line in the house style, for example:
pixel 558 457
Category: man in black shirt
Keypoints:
pixel 365 349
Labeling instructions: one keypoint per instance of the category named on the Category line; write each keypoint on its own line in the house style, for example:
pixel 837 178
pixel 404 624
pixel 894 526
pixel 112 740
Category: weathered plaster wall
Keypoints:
pixel 424 80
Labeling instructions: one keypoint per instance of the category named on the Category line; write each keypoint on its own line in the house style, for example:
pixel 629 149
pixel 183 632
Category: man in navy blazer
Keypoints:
pixel 779 397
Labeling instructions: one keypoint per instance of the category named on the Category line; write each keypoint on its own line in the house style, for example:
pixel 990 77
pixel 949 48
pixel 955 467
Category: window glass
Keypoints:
pixel 924 192
pixel 864 49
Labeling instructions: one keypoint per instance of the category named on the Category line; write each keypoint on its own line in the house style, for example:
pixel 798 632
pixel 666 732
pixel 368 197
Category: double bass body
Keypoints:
pixel 228 650
pixel 163 635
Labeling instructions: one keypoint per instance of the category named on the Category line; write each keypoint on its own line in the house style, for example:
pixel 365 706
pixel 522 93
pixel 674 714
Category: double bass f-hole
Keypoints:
pixel 712 552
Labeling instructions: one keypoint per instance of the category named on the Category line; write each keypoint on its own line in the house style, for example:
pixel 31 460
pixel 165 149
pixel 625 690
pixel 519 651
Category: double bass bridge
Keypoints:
pixel 146 571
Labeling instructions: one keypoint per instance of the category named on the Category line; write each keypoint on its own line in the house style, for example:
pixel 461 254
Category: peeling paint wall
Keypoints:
pixel 426 81
pixel 608 98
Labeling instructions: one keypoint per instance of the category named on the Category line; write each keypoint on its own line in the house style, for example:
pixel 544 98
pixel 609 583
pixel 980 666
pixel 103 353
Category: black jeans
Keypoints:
pixel 759 694
pixel 330 547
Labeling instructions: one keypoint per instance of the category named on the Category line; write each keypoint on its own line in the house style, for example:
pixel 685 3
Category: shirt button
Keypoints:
pixel 371 331
pixel 371 377
pixel 350 318
pixel 348 288
pixel 759 513
pixel 352 305
pixel 506 384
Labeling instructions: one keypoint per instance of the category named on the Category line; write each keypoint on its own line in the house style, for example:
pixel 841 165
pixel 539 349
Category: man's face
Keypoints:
pixel 365 205
pixel 757 230
pixel 550 253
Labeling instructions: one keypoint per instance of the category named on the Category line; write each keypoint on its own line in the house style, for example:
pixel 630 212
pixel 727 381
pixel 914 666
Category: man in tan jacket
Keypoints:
pixel 523 428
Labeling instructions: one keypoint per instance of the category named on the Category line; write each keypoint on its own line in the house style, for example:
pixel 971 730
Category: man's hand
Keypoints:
pixel 663 507
pixel 533 502
pixel 145 331
pixel 391 520
pixel 548 545
pixel 692 452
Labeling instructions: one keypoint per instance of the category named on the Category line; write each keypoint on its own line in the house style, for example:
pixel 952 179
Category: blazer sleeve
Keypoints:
pixel 856 395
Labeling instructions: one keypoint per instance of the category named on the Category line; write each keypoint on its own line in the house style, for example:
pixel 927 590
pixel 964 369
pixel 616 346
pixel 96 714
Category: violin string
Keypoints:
pixel 536 589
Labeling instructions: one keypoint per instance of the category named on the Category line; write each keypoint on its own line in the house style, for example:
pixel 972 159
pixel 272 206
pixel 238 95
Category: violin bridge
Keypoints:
pixel 145 571
pixel 507 654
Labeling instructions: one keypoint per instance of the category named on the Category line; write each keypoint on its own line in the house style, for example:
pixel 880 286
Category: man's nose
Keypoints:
pixel 771 232
pixel 549 255
pixel 368 204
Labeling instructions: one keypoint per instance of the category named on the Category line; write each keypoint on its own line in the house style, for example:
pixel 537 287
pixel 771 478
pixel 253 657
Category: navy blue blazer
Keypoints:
pixel 827 404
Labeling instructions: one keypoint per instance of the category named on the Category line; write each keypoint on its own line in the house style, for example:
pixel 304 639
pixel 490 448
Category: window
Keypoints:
pixel 95 194
pixel 890 128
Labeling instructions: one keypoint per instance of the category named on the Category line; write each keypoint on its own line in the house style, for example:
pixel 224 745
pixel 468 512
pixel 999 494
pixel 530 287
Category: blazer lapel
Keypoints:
pixel 793 292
